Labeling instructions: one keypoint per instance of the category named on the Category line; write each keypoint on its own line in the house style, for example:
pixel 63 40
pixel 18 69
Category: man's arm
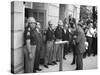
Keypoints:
pixel 28 45
pixel 78 38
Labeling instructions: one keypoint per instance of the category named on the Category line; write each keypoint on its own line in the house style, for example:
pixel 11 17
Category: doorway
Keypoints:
pixel 38 14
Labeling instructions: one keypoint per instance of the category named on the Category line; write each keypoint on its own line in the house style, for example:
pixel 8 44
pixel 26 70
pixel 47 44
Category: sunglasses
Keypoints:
pixel 32 23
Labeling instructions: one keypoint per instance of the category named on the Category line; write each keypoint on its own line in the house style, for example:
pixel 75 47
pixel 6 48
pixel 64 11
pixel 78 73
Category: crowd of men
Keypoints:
pixel 40 47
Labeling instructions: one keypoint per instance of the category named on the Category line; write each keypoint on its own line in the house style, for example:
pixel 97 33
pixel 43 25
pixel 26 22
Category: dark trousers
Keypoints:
pixel 74 54
pixel 85 54
pixel 79 61
pixel 37 57
pixel 65 50
pixel 94 46
pixel 89 39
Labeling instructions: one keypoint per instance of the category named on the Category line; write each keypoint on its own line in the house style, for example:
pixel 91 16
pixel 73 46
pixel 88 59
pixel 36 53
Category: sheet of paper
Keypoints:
pixel 61 42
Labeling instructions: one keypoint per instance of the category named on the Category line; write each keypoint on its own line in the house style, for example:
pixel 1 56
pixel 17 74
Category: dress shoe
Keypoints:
pixel 76 69
pixel 84 56
pixel 50 63
pixel 64 58
pixel 38 69
pixel 45 66
pixel 72 63
pixel 94 54
pixel 34 71
pixel 54 62
pixel 58 60
pixel 89 55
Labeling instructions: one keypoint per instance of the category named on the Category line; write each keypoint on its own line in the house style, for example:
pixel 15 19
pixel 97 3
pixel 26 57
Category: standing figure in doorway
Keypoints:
pixel 30 46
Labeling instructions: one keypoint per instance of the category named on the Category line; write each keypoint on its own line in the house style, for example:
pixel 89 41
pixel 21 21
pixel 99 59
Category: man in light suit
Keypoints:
pixel 58 37
pixel 49 45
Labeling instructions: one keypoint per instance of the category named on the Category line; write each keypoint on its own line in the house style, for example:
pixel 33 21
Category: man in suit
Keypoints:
pixel 49 45
pixel 80 45
pixel 38 39
pixel 30 45
pixel 58 37
pixel 65 37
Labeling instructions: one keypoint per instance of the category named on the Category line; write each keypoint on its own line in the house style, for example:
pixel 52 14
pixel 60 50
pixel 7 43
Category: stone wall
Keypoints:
pixel 17 29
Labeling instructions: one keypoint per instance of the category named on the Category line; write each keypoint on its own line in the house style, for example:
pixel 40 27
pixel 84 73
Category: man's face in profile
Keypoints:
pixel 73 28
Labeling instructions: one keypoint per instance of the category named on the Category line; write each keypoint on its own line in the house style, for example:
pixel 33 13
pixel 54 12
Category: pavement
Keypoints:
pixel 88 63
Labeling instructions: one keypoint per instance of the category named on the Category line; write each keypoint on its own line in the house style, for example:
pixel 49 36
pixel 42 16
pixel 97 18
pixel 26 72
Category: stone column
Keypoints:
pixel 17 29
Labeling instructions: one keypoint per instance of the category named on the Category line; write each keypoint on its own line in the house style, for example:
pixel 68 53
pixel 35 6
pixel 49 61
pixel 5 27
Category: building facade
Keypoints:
pixel 43 12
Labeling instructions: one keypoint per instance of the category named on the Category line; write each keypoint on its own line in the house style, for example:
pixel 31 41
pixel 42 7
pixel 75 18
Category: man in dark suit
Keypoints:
pixel 65 37
pixel 72 40
pixel 80 45
pixel 38 39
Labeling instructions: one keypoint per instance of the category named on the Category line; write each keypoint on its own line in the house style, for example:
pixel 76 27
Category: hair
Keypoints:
pixel 65 21
pixel 74 20
pixel 73 23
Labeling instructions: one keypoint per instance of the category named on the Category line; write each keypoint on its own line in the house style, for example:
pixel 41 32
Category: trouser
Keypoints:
pixel 29 63
pixel 85 54
pixel 94 45
pixel 42 55
pixel 74 54
pixel 79 61
pixel 89 39
pixel 37 57
pixel 54 52
pixel 49 52
pixel 58 52
pixel 65 50
pixel 58 48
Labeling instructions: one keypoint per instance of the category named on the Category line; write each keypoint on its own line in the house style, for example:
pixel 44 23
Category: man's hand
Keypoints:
pixel 74 42
pixel 75 37
pixel 30 56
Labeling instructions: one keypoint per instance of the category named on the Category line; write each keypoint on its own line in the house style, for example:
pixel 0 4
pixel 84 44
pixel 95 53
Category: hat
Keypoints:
pixel 31 19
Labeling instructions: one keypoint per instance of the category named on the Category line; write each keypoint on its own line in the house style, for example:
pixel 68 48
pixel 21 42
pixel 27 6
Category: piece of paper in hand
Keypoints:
pixel 61 42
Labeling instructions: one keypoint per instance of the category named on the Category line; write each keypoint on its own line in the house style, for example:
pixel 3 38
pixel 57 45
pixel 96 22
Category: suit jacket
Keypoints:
pixel 38 38
pixel 65 36
pixel 58 33
pixel 49 35
pixel 80 40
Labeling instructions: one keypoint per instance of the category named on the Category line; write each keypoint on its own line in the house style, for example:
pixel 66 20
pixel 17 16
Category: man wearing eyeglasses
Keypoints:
pixel 49 45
